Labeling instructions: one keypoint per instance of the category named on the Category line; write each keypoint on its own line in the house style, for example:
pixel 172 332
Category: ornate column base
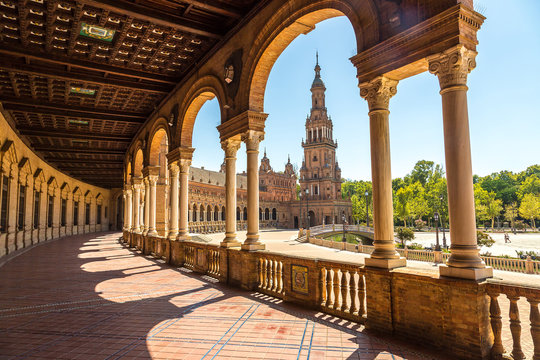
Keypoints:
pixel 466 273
pixel 230 243
pixel 385 263
pixel 172 236
pixel 152 233
pixel 253 247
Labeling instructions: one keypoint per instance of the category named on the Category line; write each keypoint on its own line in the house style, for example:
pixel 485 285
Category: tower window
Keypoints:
pixel 315 158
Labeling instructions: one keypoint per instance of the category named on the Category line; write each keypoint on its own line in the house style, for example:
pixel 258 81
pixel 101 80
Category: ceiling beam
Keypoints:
pixel 83 161
pixel 153 16
pixel 88 65
pixel 214 8
pixel 57 149
pixel 67 112
pixel 69 107
pixel 36 70
pixel 69 134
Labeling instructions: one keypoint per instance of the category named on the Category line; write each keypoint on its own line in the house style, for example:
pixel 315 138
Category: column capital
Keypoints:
pixel 238 125
pixel 183 165
pixel 153 179
pixel 452 66
pixel 127 190
pixel 253 138
pixel 174 169
pixel 231 146
pixel 136 181
pixel 378 92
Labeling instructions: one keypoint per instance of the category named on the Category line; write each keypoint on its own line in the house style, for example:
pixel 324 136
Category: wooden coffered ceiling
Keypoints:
pixel 79 77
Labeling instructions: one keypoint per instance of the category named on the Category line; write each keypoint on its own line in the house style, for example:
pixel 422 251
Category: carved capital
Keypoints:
pixel 453 66
pixel 153 179
pixel 253 138
pixel 230 146
pixel 184 165
pixel 174 169
pixel 378 92
pixel 127 192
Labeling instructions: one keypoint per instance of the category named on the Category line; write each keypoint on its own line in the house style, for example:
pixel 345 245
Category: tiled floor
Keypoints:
pixel 87 297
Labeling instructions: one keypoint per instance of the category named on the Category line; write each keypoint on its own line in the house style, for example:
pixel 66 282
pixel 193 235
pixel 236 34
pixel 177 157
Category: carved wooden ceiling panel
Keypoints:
pixel 79 77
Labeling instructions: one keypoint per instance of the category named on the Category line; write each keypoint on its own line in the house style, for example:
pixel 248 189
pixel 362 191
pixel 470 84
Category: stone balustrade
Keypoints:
pixel 514 294
pixel 397 301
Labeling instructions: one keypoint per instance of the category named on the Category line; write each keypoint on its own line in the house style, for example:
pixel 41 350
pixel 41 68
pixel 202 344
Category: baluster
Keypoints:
pixel 270 270
pixel 353 288
pixel 515 328
pixel 280 277
pixel 218 258
pixel 535 327
pixel 275 272
pixel 496 325
pixel 330 288
pixel 323 286
pixel 337 293
pixel 265 272
pixel 361 295
pixel 261 281
pixel 345 291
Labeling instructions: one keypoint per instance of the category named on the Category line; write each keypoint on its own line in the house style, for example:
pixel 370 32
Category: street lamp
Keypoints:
pixel 367 209
pixel 442 225
pixel 436 218
pixel 344 221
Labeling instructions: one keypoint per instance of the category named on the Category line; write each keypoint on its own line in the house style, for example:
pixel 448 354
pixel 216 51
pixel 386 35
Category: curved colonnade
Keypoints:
pixel 39 203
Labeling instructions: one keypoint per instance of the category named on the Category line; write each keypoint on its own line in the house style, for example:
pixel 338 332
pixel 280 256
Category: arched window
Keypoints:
pixel 238 214
pixel 208 213
pixel 274 214
pixel 194 215
pixel 201 213
pixel 216 213
pixel 245 213
pixel 223 213
pixel 266 214
pixel 260 214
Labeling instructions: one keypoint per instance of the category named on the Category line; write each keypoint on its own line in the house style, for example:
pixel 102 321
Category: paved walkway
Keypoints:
pixel 88 297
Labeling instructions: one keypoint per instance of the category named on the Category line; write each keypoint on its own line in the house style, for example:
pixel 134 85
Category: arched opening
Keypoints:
pixel 223 213
pixel 266 214
pixel 194 216
pixel 274 214
pixel 260 214
pixel 157 158
pixel 201 213
pixel 312 218
pixel 138 164
pixel 245 213
pixel 216 213
pixel 238 214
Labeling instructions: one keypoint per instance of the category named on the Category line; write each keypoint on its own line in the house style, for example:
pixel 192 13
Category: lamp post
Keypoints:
pixel 367 208
pixel 436 218
pixel 344 221
pixel 442 225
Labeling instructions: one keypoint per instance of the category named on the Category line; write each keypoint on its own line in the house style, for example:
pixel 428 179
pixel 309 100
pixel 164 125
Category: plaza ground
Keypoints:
pixel 100 300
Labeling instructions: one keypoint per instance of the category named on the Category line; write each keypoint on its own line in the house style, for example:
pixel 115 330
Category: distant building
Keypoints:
pixel 320 182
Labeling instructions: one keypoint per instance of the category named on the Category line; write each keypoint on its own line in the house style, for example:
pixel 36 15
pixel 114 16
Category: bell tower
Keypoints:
pixel 320 173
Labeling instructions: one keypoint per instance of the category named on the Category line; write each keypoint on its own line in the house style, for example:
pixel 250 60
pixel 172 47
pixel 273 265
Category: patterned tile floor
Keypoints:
pixel 88 297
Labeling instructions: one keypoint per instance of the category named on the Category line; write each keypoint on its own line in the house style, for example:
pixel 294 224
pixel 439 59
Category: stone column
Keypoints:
pixel 136 202
pixel 146 205
pixel 230 146
pixel 452 68
pixel 252 139
pixel 173 172
pixel 378 92
pixel 152 179
pixel 183 229
pixel 129 209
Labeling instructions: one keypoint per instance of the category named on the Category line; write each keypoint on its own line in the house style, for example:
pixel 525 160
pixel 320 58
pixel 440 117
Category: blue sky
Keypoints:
pixel 503 101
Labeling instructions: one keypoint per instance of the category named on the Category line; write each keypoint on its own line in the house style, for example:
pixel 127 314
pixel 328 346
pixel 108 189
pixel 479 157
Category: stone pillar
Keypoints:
pixel 129 209
pixel 252 139
pixel 452 68
pixel 173 172
pixel 146 205
pixel 183 229
pixel 152 179
pixel 136 202
pixel 378 92
pixel 230 146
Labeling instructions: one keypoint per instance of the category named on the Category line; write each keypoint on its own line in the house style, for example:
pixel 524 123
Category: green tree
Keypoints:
pixel 510 213
pixel 531 185
pixel 402 204
pixel 493 208
pixel 530 208
pixel 504 184
pixel 418 203
pixel 481 197
pixel 404 234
